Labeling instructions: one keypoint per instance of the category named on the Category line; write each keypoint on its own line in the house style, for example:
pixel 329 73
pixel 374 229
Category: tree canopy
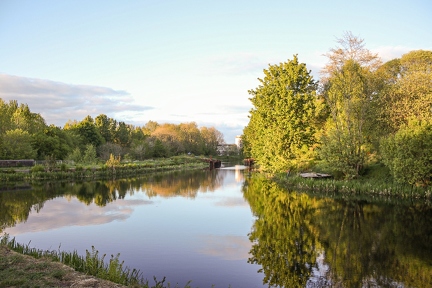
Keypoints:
pixel 355 116
pixel 281 128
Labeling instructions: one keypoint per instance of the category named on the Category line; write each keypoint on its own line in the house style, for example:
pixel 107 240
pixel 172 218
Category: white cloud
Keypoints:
pixel 58 102
pixel 388 53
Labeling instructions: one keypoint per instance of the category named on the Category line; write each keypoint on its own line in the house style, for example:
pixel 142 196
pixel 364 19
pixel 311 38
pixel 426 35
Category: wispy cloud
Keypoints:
pixel 237 64
pixel 58 102
pixel 388 53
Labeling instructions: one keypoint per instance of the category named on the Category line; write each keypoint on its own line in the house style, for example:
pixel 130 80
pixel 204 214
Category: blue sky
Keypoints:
pixel 180 61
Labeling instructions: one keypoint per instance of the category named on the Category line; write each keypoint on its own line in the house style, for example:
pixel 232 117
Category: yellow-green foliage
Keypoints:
pixel 408 153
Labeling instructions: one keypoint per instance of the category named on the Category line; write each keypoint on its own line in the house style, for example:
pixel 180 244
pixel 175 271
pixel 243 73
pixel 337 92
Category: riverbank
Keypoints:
pixel 100 171
pixel 364 187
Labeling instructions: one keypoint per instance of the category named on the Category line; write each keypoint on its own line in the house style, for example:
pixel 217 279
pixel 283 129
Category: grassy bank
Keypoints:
pixel 99 171
pixel 31 267
pixel 375 183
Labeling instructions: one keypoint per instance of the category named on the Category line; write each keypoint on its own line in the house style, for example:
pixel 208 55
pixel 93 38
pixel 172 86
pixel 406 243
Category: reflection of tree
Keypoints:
pixel 375 245
pixel 15 206
pixel 284 240
pixel 363 244
pixel 183 184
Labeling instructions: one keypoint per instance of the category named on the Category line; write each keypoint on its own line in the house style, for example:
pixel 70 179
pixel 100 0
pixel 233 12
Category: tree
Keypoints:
pixel 89 156
pixel 87 131
pixel 348 95
pixel 52 141
pixel 16 144
pixel 191 137
pixel 211 138
pixel 407 89
pixel 281 127
pixel 150 127
pixel 350 48
pixel 350 92
pixel 104 125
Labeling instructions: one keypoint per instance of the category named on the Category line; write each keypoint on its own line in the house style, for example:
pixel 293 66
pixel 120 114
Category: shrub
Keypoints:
pixel 63 167
pixel 408 153
pixel 37 168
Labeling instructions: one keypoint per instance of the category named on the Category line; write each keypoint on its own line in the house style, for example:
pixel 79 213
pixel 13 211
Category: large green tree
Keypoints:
pixel 349 88
pixel 87 131
pixel 345 141
pixel 281 128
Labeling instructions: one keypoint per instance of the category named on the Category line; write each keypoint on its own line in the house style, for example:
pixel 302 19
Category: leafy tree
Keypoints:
pixel 407 89
pixel 52 141
pixel 349 88
pixel 17 144
pixel 211 138
pixel 87 131
pixel 408 153
pixel 75 155
pixel 123 134
pixel 104 124
pixel 150 127
pixel 24 119
pixel 191 137
pixel 348 95
pixel 169 135
pixel 89 156
pixel 5 117
pixel 281 127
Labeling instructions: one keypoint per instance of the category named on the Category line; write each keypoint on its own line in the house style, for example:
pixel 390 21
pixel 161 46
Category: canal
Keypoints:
pixel 228 227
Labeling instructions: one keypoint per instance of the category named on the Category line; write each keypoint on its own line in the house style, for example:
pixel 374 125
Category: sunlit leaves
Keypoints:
pixel 282 120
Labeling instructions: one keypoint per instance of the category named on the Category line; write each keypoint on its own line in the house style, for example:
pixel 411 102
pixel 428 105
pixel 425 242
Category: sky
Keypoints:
pixel 181 61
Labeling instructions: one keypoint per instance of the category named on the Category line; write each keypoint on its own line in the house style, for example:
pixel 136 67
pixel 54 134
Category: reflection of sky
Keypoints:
pixel 227 247
pixel 61 212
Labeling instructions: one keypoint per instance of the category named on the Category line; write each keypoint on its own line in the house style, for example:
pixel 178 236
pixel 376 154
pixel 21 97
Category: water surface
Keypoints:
pixel 229 227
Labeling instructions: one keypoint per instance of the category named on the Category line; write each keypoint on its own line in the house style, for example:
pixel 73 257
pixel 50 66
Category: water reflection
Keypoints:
pixel 306 241
pixel 199 221
pixel 15 206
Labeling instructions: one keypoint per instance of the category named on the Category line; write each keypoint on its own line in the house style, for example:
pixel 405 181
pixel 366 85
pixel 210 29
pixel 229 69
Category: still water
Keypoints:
pixel 229 227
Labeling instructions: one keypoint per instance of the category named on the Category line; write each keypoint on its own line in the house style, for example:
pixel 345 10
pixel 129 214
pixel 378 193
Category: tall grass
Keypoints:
pixel 92 264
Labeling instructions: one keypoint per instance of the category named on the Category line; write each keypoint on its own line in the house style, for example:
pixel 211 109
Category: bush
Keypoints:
pixel 37 168
pixel 408 153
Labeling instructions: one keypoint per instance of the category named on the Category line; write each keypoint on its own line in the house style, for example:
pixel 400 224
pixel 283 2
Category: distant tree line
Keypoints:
pixel 361 112
pixel 25 135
